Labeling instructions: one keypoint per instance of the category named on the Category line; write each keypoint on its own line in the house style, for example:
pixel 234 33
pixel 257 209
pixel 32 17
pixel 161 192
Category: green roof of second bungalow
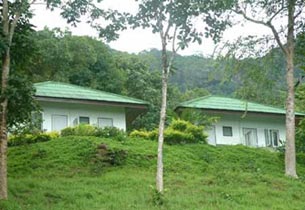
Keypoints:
pixel 68 91
pixel 231 104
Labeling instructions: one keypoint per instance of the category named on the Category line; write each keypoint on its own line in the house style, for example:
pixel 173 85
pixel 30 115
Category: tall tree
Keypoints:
pixel 272 14
pixel 173 21
pixel 12 13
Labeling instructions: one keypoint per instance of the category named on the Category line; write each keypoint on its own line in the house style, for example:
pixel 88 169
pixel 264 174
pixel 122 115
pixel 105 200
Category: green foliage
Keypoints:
pixel 180 125
pixel 23 139
pixel 172 136
pixel 158 198
pixel 69 131
pixel 300 137
pixel 60 174
pixel 20 97
pixel 89 130
pixel 142 134
pixel 197 117
pixel 105 157
pixel 111 132
pixel 80 130
pixel 178 132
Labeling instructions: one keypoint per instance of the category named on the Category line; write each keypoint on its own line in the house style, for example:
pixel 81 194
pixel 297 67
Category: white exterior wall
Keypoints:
pixel 259 122
pixel 74 111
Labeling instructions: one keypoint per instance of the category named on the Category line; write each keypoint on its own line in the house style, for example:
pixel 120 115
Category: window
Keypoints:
pixel 250 136
pixel 227 131
pixel 272 137
pixel 84 120
pixel 105 122
pixel 59 122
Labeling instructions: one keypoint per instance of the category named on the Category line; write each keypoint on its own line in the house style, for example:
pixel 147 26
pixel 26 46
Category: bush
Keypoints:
pixel 153 135
pixel 85 130
pixel 178 132
pixel 140 134
pixel 109 132
pixel 22 139
pixel 178 137
pixel 89 130
pixel 197 132
pixel 180 125
pixel 80 130
pixel 69 131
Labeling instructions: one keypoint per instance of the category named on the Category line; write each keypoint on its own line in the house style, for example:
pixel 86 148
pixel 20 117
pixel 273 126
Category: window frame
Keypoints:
pixel 62 115
pixel 269 141
pixel 106 118
pixel 227 127
pixel 244 129
pixel 79 120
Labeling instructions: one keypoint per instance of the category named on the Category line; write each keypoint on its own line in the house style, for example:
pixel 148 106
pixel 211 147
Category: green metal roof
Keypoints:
pixel 231 104
pixel 69 91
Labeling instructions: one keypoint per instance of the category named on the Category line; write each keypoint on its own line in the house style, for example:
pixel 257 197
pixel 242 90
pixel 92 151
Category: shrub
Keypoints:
pixel 188 133
pixel 178 137
pixel 153 135
pixel 178 132
pixel 111 132
pixel 197 132
pixel 89 130
pixel 85 130
pixel 80 130
pixel 140 134
pixel 180 125
pixel 69 131
pixel 108 132
pixel 22 139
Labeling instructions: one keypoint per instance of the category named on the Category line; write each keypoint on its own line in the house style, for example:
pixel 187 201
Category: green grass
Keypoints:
pixel 66 174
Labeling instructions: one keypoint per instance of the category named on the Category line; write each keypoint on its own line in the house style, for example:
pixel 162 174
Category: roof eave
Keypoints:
pixel 237 111
pixel 92 102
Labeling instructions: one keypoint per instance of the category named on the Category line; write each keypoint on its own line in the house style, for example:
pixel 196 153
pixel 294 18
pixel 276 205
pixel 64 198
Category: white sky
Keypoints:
pixel 134 41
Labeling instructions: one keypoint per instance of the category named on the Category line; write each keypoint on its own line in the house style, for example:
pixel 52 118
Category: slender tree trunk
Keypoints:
pixel 165 71
pixel 290 159
pixel 3 127
pixel 3 112
pixel 159 179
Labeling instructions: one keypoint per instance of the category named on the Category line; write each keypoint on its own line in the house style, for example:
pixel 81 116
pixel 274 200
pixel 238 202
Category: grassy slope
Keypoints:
pixel 61 174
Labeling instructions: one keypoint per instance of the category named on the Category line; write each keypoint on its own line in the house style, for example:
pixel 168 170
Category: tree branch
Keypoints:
pixel 13 26
pixel 277 37
pixel 298 13
pixel 275 14
pixel 267 24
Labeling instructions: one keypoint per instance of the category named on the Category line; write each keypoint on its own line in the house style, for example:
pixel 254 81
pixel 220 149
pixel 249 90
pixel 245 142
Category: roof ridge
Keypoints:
pixel 249 101
pixel 91 89
pixel 195 99
pixel 256 107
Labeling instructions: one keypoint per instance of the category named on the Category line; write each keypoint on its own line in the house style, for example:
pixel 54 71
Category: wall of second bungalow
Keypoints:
pixel 260 122
pixel 74 111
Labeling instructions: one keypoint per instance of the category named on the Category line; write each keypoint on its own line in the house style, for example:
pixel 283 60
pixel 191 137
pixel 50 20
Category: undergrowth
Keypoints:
pixel 90 173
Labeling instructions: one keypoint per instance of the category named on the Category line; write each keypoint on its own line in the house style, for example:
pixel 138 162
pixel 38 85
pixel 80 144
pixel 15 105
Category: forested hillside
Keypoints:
pixel 59 56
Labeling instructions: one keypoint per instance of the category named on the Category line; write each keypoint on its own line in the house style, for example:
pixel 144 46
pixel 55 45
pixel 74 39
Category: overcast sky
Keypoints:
pixel 134 41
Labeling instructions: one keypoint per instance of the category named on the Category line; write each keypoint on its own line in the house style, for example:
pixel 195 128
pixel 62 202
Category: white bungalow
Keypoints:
pixel 65 105
pixel 241 122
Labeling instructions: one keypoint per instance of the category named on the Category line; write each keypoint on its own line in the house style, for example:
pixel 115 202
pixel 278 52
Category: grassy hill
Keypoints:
pixel 85 173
